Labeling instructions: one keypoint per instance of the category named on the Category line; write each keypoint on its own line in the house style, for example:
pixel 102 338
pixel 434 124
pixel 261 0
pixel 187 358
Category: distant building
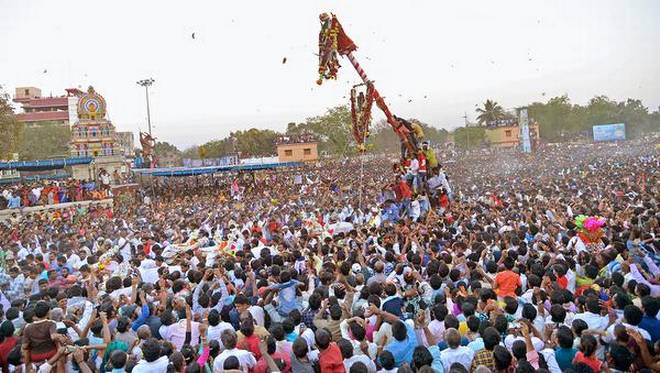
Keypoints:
pixel 126 142
pixel 303 148
pixel 38 110
pixel 506 133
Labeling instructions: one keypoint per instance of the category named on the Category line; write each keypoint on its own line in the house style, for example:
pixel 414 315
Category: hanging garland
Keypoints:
pixel 332 42
pixel 361 114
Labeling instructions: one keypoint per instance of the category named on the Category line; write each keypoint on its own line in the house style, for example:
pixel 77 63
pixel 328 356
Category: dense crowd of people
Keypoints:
pixel 447 262
pixel 45 192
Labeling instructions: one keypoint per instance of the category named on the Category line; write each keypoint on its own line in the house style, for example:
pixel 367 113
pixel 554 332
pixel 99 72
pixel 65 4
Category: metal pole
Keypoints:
pixel 148 111
pixel 146 83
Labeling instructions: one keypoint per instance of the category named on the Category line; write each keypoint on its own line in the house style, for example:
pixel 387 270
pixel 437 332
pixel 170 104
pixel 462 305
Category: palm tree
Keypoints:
pixel 491 111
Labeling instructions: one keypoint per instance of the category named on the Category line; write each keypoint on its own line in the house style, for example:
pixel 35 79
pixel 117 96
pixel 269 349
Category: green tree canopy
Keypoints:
pixel 469 137
pixel 332 129
pixel 560 120
pixel 11 130
pixel 46 140
pixel 384 139
pixel 490 112
pixel 164 147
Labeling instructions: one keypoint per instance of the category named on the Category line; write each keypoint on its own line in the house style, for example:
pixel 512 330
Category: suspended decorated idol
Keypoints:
pixel 332 43
pixel 361 114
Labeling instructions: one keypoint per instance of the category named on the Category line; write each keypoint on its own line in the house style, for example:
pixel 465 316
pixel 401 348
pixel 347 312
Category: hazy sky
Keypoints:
pixel 231 76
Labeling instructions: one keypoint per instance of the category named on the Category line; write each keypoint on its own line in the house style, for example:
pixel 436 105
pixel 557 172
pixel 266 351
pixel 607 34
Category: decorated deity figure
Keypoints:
pixel 148 143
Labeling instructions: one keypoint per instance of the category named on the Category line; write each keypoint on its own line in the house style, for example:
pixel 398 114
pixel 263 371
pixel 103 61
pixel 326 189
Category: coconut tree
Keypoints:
pixel 490 112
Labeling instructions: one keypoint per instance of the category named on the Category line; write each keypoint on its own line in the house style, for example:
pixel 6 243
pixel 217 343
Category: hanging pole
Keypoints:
pixel 364 137
pixel 400 130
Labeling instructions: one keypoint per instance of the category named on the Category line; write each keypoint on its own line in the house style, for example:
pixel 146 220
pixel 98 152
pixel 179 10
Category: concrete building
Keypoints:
pixel 303 148
pixel 36 109
pixel 506 134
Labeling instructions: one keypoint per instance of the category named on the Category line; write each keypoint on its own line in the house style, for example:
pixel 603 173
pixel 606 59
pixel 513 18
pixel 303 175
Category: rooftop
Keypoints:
pixel 43 102
pixel 38 116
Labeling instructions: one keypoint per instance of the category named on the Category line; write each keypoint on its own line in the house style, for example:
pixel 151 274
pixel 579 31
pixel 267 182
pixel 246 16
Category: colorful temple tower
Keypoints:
pixel 93 135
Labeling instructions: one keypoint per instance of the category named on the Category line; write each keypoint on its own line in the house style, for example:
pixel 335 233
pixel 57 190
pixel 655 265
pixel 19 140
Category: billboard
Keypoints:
pixel 610 132
pixel 524 129
pixel 222 161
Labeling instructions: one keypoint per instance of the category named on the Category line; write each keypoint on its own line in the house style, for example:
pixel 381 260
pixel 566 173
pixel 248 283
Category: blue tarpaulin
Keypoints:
pixel 192 171
pixel 44 164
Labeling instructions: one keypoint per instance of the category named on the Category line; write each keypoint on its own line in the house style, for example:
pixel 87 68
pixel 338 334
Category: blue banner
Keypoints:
pixel 610 132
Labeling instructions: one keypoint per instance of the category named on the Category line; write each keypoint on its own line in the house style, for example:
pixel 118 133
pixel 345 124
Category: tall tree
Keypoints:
pixel 469 137
pixel 255 142
pixel 490 112
pixel 46 140
pixel 11 130
pixel 164 147
pixel 332 129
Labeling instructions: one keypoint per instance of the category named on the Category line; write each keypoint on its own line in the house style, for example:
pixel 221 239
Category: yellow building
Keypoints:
pixel 297 149
pixel 508 136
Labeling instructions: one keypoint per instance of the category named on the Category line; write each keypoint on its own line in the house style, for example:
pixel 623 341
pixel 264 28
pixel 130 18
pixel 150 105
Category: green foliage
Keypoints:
pixel 251 143
pixel 164 147
pixel 191 152
pixel 44 141
pixel 560 120
pixel 491 111
pixel 332 129
pixel 469 137
pixel 11 130
pixel 383 138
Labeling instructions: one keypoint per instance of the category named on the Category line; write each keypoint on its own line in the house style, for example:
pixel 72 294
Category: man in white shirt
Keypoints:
pixel 346 348
pixel 245 358
pixel 351 332
pixel 152 361
pixel 592 315
pixel 216 327
pixel 456 353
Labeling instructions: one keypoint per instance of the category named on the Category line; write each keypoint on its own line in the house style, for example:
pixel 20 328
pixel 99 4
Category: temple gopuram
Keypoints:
pixel 93 135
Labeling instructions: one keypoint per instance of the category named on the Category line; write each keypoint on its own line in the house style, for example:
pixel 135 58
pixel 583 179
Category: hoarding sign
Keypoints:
pixel 609 132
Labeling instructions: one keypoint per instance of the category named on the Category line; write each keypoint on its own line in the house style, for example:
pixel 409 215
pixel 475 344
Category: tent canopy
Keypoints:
pixel 44 164
pixel 204 170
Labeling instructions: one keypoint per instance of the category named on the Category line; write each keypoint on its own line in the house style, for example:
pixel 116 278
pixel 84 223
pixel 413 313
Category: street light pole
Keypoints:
pixel 146 83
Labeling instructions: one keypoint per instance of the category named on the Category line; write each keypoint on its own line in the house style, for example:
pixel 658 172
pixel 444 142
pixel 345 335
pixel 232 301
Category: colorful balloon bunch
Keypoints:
pixel 590 228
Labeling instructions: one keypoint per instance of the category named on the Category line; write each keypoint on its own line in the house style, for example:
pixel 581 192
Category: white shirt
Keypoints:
pixel 160 365
pixel 461 354
pixel 570 275
pixel 549 356
pixel 610 331
pixel 371 367
pixel 576 243
pixel 509 339
pixel 258 315
pixel 214 332
pixel 414 166
pixel 372 348
pixel 245 358
pixel 593 320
